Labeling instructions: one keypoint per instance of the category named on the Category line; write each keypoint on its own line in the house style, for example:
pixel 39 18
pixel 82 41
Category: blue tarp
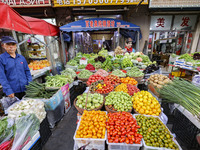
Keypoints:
pixel 95 24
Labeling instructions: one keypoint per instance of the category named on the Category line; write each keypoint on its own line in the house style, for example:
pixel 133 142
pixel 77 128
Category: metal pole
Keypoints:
pixel 118 30
pixel 23 41
pixel 73 42
pixel 15 37
pixel 138 41
pixel 63 47
pixel 152 45
pixel 40 41
pixel 48 46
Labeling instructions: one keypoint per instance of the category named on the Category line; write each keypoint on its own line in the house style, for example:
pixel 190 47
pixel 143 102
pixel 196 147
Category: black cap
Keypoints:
pixel 8 39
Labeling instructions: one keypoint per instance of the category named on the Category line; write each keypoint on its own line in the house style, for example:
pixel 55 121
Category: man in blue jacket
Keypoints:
pixel 14 70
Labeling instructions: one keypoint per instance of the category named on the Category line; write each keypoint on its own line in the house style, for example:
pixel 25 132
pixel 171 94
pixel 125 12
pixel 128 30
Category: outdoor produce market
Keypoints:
pixel 114 110
pixel 99 75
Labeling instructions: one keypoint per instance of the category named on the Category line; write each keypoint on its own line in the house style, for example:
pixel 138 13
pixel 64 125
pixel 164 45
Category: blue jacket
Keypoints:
pixel 14 73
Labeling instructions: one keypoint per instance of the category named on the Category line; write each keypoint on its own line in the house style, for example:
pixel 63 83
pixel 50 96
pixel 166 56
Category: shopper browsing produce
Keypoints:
pixel 14 70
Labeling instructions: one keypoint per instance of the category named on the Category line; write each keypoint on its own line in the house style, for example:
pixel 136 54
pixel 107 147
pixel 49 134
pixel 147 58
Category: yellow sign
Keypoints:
pixel 73 3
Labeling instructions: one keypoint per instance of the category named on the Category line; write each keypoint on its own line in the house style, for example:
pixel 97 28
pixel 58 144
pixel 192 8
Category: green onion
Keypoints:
pixel 184 93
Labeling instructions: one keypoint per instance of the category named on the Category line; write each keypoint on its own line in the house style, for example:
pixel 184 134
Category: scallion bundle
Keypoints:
pixel 184 93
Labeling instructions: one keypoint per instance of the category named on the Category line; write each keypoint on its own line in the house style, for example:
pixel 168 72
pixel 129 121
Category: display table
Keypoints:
pixel 38 73
pixel 186 127
pixel 183 68
pixel 187 114
pixel 32 142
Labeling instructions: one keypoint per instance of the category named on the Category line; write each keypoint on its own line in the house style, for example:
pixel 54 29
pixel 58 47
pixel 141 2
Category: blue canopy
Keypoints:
pixel 95 24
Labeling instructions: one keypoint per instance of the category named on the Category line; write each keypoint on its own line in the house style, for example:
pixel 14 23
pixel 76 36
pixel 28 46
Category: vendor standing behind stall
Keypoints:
pixel 128 47
pixel 14 70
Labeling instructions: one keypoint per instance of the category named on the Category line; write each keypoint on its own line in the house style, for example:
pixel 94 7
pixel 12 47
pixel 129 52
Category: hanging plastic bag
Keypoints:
pixel 26 128
pixel 7 102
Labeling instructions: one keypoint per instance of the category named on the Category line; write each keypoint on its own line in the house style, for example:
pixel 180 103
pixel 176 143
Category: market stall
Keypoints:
pixel 185 66
pixel 37 39
pixel 112 86
pixel 84 43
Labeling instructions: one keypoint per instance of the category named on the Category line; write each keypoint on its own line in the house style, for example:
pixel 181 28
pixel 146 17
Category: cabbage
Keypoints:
pixel 134 61
pixel 126 54
pixel 137 54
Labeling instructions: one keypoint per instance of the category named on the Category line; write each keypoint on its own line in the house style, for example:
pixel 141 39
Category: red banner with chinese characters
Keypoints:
pixel 27 3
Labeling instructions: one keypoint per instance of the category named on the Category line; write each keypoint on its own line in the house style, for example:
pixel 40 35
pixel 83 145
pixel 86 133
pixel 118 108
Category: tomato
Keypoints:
pixel 127 141
pixel 138 127
pixel 122 128
pixel 131 141
pixel 110 141
pixel 116 140
pixel 140 136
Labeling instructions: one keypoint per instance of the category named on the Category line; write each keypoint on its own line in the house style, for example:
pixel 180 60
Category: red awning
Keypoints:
pixel 39 26
pixel 12 20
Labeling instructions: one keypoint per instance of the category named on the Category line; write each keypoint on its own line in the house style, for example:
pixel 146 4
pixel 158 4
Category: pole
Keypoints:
pixel 73 40
pixel 152 45
pixel 118 30
pixel 48 46
pixel 138 41
pixel 15 37
pixel 63 47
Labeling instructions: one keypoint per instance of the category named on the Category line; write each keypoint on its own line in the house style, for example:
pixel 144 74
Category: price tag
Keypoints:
pixel 83 62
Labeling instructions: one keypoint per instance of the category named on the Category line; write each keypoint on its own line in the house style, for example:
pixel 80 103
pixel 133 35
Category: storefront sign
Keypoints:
pixel 161 22
pixel 173 3
pixel 27 3
pixel 67 3
pixel 184 22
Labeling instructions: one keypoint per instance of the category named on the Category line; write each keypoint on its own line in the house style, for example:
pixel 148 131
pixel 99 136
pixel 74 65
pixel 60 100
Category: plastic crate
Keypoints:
pixel 123 146
pixel 145 147
pixel 37 145
pixel 45 131
pixel 185 130
pixel 97 144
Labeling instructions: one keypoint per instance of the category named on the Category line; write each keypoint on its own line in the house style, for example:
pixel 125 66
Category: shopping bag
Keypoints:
pixel 7 102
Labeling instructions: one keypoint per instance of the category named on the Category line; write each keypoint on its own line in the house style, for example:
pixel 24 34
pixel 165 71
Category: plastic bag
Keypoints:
pixel 196 80
pixel 26 128
pixel 7 102
pixel 7 130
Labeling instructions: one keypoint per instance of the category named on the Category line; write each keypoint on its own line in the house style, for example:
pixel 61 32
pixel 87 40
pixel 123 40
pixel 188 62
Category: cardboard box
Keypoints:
pixel 152 88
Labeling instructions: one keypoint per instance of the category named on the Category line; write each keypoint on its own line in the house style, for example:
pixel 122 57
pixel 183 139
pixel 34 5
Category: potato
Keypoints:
pixel 166 81
pixel 156 78
pixel 155 81
pixel 154 84
pixel 159 86
pixel 165 77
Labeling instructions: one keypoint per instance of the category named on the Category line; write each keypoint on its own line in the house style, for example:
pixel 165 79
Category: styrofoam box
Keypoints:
pixel 145 147
pixel 123 146
pixel 97 144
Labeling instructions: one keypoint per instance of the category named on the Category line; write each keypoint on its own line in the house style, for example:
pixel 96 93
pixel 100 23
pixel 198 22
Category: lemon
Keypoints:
pixel 141 111
pixel 152 105
pixel 146 112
